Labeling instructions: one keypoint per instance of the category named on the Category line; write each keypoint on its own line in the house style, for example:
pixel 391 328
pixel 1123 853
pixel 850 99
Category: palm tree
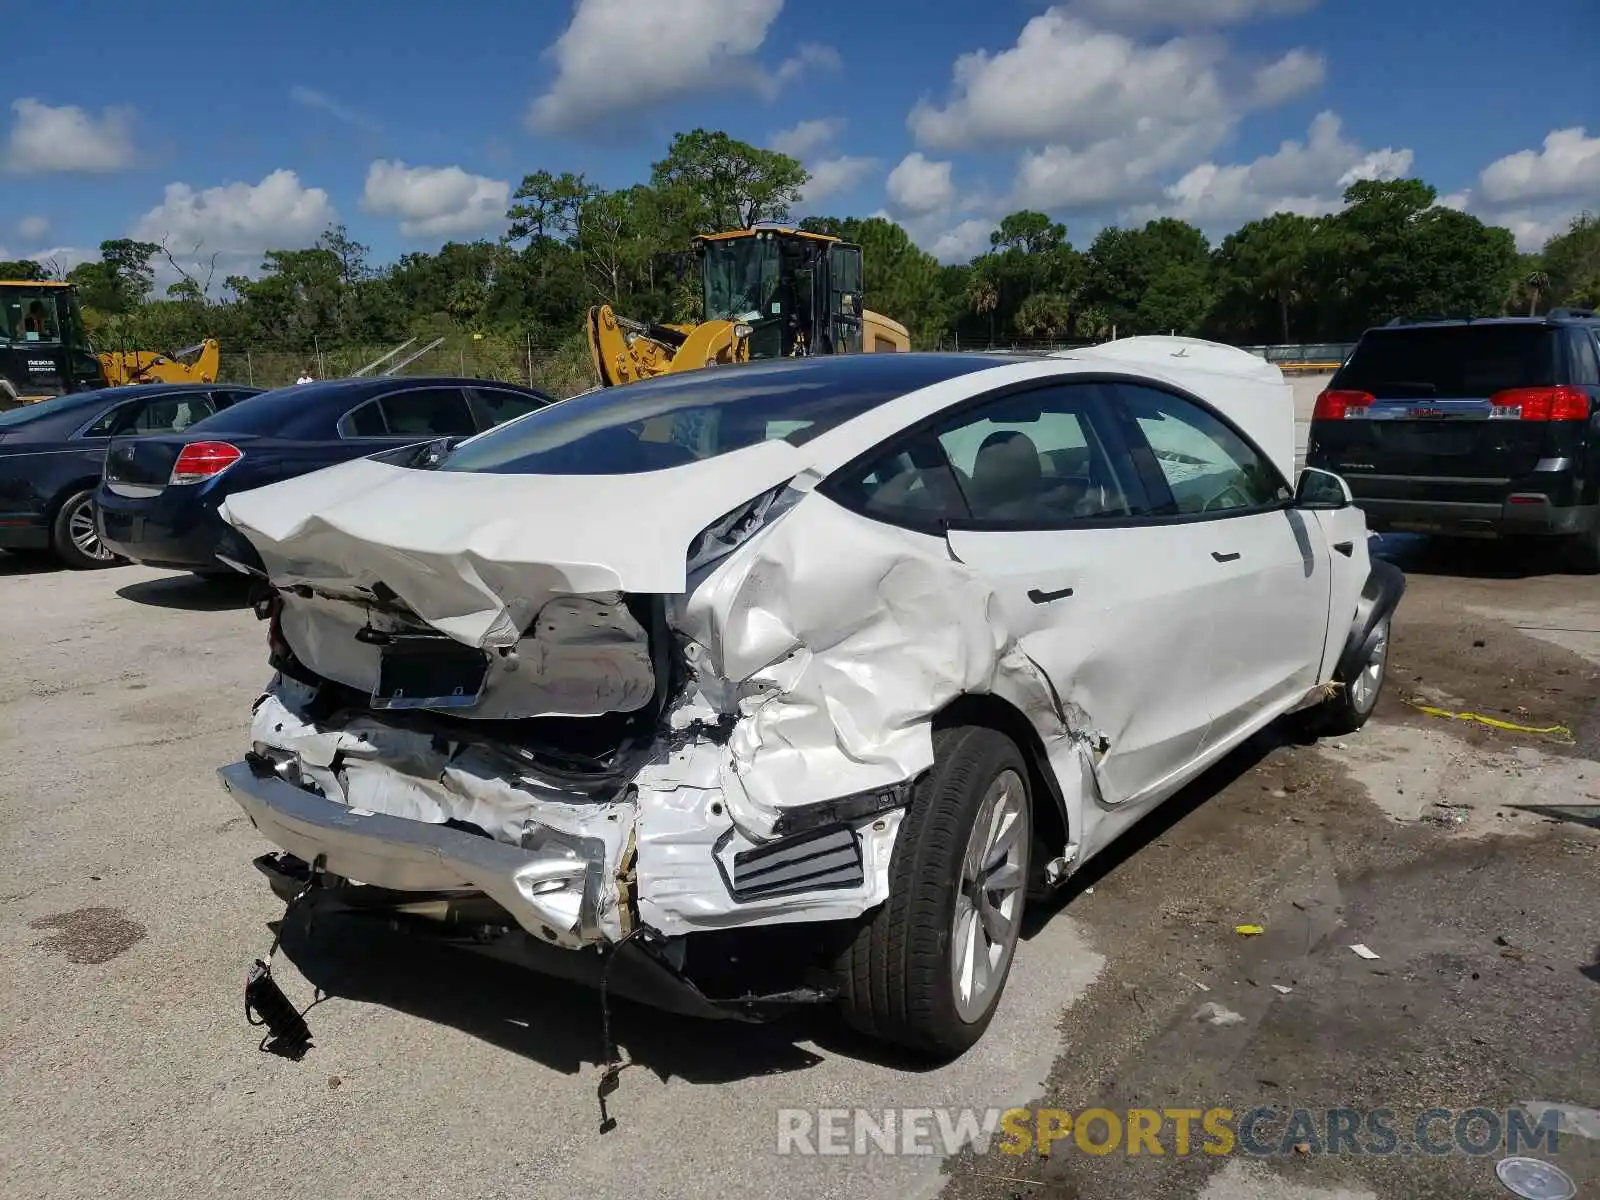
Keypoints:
pixel 1537 285
pixel 983 297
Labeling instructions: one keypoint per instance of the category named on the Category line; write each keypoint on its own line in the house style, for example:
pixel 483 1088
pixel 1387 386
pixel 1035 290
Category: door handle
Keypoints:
pixel 1039 597
pixel 1225 557
pixel 1345 548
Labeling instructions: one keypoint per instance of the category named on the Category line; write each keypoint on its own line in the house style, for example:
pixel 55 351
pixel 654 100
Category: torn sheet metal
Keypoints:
pixel 477 555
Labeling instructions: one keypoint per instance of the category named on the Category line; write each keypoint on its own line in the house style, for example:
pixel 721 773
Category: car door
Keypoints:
pixel 1266 564
pixel 1105 603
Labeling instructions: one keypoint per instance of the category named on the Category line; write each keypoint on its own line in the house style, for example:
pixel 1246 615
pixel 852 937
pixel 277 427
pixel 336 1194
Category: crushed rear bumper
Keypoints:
pixel 553 886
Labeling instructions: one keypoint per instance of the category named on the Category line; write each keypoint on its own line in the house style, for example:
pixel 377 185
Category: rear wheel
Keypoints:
pixel 1583 552
pixel 927 970
pixel 74 536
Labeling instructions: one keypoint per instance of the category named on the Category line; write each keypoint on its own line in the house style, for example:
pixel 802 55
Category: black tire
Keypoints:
pixel 76 546
pixel 1347 709
pixel 897 977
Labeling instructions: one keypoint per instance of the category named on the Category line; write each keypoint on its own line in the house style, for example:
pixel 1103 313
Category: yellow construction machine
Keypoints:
pixel 45 352
pixel 766 293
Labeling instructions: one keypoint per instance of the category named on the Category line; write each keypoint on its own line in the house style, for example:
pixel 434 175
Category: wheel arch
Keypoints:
pixel 1051 825
pixel 1380 596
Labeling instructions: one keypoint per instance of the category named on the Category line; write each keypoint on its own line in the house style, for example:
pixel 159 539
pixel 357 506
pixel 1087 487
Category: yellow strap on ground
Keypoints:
pixel 1557 731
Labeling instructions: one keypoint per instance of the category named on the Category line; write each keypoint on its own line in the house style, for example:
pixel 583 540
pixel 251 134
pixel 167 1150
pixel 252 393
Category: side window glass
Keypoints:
pixel 428 412
pixel 366 421
pixel 1585 370
pixel 911 484
pixel 1207 466
pixel 492 406
pixel 172 414
pixel 229 399
pixel 107 422
pixel 1041 458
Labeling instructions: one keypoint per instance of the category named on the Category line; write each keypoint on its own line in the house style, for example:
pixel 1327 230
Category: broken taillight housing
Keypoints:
pixel 1336 404
pixel 733 529
pixel 1540 404
pixel 199 461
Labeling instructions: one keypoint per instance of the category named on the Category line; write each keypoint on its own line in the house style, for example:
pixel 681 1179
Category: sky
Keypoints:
pixel 238 127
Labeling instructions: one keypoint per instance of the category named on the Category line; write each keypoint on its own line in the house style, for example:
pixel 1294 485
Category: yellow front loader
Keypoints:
pixel 194 364
pixel 766 293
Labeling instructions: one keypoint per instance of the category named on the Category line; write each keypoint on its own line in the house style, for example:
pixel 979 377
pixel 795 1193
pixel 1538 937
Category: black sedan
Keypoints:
pixel 159 498
pixel 51 455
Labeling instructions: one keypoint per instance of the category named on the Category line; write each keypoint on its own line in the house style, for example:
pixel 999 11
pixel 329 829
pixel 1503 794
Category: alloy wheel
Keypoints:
pixel 988 916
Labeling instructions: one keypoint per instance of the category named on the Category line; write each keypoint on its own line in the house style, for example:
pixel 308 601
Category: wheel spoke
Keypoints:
pixel 1003 842
pixel 1007 878
pixel 969 955
pixel 995 925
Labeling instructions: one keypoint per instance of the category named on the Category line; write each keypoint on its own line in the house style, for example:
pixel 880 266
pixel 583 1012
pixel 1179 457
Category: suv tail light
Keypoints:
pixel 199 461
pixel 1540 404
pixel 1335 405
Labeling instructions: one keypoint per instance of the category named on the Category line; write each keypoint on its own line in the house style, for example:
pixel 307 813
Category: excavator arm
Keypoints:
pixel 624 350
pixel 193 364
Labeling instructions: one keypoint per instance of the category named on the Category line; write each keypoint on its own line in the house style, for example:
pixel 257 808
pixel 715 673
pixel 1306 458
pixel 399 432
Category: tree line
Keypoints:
pixel 1391 251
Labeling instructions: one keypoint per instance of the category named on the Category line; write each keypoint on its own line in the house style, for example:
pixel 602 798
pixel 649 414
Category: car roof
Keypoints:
pixel 1556 316
pixel 130 390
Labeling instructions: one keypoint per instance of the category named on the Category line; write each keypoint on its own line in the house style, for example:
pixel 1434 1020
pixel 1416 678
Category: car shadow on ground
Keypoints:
pixel 1214 780
pixel 28 562
pixel 190 593
pixel 551 1021
pixel 1471 558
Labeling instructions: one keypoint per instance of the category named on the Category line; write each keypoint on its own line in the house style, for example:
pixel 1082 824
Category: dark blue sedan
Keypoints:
pixel 159 498
pixel 51 455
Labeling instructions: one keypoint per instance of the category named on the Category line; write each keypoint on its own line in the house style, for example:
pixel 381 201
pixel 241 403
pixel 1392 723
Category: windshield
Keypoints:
pixel 674 420
pixel 28 314
pixel 741 278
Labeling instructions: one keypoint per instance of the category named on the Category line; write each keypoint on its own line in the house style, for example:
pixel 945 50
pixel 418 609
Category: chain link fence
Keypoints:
pixel 565 369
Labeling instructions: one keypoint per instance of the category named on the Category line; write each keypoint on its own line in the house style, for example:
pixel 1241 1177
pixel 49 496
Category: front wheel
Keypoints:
pixel 1348 710
pixel 75 537
pixel 926 971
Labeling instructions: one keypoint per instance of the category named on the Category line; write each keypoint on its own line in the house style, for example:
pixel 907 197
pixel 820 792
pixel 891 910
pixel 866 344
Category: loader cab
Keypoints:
pixel 43 349
pixel 799 293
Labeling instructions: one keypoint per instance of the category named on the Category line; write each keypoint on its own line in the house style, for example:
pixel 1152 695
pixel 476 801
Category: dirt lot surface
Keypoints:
pixel 1466 856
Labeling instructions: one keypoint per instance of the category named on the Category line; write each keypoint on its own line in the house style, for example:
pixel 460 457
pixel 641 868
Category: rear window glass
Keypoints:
pixel 271 412
pixel 1450 362
pixel 674 420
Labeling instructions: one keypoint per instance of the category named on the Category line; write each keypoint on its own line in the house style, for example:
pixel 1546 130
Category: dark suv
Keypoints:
pixel 1476 427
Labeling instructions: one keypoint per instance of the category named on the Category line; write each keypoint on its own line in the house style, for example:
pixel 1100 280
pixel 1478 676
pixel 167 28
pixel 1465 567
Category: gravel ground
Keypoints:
pixel 1465 856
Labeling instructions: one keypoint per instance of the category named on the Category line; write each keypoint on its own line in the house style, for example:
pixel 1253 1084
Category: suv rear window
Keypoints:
pixel 1451 361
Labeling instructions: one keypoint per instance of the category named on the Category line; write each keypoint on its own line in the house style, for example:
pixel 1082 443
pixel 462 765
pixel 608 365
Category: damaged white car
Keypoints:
pixel 792 682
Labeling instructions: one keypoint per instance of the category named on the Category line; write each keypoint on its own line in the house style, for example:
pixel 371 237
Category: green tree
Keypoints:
pixel 722 183
pixel 1265 265
pixel 1152 279
pixel 24 269
pixel 119 280
pixel 1573 262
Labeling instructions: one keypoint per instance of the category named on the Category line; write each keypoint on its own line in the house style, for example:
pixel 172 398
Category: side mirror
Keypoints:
pixel 1321 489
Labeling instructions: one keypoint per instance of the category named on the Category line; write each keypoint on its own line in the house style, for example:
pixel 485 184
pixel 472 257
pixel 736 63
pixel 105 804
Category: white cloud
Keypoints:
pixel 45 139
pixel 920 185
pixel 963 243
pixel 807 137
pixel 33 228
pixel 1069 83
pixel 1536 193
pixel 1186 12
pixel 1567 168
pixel 58 260
pixel 1307 177
pixel 833 175
pixel 809 57
pixel 239 219
pixel 620 55
pixel 311 98
pixel 1118 170
pixel 1297 72
pixel 435 201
